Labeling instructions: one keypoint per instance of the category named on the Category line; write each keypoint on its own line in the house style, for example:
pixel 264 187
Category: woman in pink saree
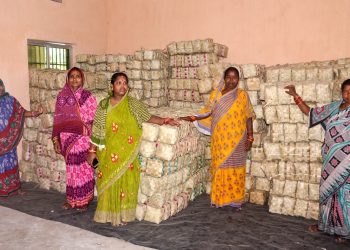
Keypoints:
pixel 74 114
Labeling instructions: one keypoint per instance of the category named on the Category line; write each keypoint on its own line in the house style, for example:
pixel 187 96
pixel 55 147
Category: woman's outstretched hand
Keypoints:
pixel 90 158
pixel 171 122
pixel 57 147
pixel 290 89
pixel 189 118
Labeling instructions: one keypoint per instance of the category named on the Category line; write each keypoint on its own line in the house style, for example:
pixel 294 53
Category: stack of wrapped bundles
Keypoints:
pixel 185 59
pixel 148 76
pixel 40 163
pixel 291 170
pixel 173 165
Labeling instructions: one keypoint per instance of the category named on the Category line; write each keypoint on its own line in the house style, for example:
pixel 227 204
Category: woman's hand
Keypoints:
pixel 57 147
pixel 188 118
pixel 171 122
pixel 91 157
pixel 290 89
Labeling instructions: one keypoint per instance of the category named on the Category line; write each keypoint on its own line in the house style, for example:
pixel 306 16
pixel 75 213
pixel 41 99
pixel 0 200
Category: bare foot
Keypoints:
pixel 123 224
pixel 66 206
pixel 313 228
pixel 339 239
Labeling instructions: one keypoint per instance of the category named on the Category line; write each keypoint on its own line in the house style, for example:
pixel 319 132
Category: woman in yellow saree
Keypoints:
pixel 115 141
pixel 227 117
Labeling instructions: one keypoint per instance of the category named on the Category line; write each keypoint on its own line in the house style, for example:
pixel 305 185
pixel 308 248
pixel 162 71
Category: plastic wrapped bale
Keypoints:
pixel 288 206
pixel 258 197
pixel 326 74
pixel 316 133
pixel 302 151
pixel 309 91
pixel 272 74
pixel 290 171
pixel 311 73
pixel 270 94
pixel 262 184
pixel 302 132
pixel 251 70
pixel 277 187
pixel 257 154
pixel 277 132
pixel 283 97
pixel 154 168
pixel 270 169
pixel 256 169
pixel 270 114
pixel 154 215
pixel 302 191
pixel 290 134
pixel 281 170
pixel 254 83
pixel 141 211
pixel 313 210
pixel 296 116
pixel 298 74
pixel 323 92
pixel 272 151
pixel 314 192
pixel 302 171
pixel 315 172
pixel 300 208
pixel 150 131
pixel 276 204
pixel 283 113
pixel 147 148
pixel 290 188
pixel 285 75
pixel 315 151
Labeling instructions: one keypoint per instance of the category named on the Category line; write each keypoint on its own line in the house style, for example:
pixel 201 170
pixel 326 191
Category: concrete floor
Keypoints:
pixel 22 231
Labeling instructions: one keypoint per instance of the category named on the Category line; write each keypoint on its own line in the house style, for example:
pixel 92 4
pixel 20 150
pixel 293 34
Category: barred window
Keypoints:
pixel 48 55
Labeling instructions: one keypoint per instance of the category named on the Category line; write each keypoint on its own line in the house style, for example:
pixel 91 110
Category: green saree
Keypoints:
pixel 119 169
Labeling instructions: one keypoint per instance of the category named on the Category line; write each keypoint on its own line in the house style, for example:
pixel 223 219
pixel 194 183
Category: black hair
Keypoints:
pixel 345 83
pixel 229 69
pixel 116 75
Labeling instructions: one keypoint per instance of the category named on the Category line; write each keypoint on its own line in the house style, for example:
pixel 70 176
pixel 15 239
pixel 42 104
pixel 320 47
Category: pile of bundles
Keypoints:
pixel 185 59
pixel 174 167
pixel 39 162
pixel 147 71
pixel 287 171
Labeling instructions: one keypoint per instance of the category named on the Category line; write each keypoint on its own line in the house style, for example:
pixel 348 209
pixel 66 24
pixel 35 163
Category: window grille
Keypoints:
pixel 48 55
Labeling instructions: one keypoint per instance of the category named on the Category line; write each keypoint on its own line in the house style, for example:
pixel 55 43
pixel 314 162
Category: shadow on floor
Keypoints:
pixel 197 227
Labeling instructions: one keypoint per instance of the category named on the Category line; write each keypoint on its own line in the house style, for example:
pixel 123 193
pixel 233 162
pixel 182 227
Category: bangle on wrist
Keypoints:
pixel 193 118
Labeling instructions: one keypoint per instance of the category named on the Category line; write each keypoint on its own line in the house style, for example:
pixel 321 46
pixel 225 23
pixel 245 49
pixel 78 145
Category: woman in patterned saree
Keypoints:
pixel 74 113
pixel 334 217
pixel 12 116
pixel 227 117
pixel 115 140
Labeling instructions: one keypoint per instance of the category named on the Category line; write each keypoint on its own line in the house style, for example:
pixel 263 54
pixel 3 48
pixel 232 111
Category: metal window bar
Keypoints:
pixel 46 55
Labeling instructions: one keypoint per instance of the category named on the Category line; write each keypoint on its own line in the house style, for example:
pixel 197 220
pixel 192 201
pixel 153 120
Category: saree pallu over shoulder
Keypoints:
pixel 319 114
pixel 68 112
pixel 137 108
pixel 228 128
pixel 122 141
pixel 12 121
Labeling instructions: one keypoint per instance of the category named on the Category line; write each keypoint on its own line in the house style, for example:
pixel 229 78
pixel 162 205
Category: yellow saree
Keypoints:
pixel 227 126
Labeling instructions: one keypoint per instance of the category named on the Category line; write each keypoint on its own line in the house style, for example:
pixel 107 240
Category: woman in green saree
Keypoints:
pixel 115 141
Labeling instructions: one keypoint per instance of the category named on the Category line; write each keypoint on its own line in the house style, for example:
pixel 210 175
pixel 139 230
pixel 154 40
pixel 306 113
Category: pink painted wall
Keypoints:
pixel 257 31
pixel 80 22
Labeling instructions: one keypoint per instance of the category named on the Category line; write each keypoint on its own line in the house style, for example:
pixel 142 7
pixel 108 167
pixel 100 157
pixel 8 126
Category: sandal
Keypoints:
pixel 313 228
pixel 66 206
